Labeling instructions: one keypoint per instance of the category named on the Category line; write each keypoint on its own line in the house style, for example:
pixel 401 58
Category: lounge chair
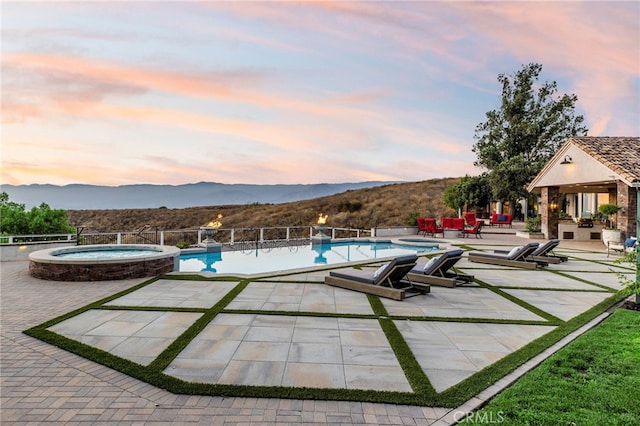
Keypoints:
pixel 518 257
pixel 387 281
pixel 543 253
pixel 438 271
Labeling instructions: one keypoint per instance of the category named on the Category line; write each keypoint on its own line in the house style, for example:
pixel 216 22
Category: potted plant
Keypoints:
pixel 533 225
pixel 610 233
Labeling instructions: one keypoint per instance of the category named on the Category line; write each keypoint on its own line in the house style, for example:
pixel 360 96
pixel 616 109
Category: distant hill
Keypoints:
pixel 385 205
pixel 80 197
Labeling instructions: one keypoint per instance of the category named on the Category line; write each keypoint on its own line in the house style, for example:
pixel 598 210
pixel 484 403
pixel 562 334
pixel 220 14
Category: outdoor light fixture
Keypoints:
pixel 567 160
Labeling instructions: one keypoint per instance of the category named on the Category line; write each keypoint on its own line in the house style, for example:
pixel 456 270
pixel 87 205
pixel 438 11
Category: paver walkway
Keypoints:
pixel 42 383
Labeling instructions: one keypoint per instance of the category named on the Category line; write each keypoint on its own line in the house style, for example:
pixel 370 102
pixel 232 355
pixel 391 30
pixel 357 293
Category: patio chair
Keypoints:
pixel 422 227
pixel 431 227
pixel 470 218
pixel 476 230
pixel 543 253
pixel 438 271
pixel 387 281
pixel 518 257
pixel 627 246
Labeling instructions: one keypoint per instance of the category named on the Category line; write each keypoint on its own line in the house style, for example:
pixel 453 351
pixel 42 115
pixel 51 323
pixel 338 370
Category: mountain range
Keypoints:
pixel 79 196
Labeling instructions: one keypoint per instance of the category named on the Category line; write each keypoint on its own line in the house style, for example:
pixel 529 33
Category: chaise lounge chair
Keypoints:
pixel 518 257
pixel 387 281
pixel 544 253
pixel 437 271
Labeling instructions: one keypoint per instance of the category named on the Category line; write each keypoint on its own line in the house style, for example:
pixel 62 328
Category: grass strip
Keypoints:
pixel 551 318
pixel 592 381
pixel 173 350
pixel 462 391
pixel 423 395
pixel 95 305
pixel 412 369
pixel 582 280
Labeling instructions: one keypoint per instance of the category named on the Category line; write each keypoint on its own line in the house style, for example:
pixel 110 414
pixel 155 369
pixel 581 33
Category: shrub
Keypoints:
pixel 413 220
pixel 533 224
pixel 183 244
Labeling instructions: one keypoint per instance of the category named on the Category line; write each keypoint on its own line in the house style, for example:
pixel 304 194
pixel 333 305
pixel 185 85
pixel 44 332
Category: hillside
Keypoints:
pixel 388 205
pixel 77 196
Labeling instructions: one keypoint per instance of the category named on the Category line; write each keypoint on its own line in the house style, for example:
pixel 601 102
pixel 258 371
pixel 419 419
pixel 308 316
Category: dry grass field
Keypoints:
pixel 389 205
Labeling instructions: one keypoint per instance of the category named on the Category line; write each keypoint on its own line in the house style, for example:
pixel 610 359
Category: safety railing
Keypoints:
pixel 243 237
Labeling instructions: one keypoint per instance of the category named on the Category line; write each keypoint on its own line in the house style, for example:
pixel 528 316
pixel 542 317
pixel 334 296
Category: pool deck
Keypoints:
pixel 41 383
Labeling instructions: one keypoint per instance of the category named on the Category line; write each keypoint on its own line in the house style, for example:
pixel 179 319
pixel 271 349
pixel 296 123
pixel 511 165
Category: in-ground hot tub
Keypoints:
pixel 103 262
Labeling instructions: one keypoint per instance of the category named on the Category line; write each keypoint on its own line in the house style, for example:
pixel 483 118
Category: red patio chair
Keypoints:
pixel 476 230
pixel 431 227
pixel 470 218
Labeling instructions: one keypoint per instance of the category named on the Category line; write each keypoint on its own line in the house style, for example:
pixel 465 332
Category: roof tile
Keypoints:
pixel 620 154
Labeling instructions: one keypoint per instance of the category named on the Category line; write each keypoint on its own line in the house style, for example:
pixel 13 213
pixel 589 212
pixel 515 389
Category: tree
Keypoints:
pixel 470 191
pixel 15 220
pixel 517 140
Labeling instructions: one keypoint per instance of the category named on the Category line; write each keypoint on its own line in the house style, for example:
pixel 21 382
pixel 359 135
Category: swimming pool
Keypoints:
pixel 283 258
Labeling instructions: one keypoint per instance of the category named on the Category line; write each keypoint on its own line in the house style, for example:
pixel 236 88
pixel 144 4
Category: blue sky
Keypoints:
pixel 116 93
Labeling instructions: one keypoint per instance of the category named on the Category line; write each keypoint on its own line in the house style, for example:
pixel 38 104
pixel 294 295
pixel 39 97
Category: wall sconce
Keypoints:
pixel 567 160
pixel 553 203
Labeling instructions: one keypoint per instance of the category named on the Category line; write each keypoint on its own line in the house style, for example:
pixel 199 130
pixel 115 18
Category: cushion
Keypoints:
pixel 380 270
pixel 502 218
pixel 430 263
pixel 630 242
pixel 514 251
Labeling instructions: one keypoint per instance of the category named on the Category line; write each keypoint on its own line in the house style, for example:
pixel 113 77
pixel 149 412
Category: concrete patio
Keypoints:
pixel 348 350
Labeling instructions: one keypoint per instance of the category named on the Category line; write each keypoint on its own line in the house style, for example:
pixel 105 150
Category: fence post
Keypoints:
pixel 161 238
pixel 119 238
pixel 288 229
pixel 262 235
pixel 233 236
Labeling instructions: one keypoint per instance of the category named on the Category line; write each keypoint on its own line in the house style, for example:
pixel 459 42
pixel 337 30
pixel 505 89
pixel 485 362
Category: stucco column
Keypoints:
pixel 550 195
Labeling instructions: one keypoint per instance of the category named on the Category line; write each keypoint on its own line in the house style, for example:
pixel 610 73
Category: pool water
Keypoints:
pixel 282 258
pixel 112 253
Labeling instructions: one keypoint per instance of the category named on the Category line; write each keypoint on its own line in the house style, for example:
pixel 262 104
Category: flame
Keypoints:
pixel 322 219
pixel 215 224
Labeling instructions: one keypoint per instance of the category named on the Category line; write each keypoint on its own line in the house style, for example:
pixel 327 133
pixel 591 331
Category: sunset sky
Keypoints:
pixel 117 93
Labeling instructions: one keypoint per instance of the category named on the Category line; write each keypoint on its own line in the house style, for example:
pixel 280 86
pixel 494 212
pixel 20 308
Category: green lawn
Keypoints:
pixel 595 380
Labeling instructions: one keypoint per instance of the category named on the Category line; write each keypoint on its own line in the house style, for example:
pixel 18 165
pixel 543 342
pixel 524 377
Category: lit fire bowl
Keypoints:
pixel 103 262
pixel 209 243
pixel 320 237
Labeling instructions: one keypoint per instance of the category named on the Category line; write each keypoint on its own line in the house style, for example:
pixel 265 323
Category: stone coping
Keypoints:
pixel 51 255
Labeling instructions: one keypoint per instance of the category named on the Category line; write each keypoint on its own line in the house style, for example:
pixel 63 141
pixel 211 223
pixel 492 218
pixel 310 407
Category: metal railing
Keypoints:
pixel 241 237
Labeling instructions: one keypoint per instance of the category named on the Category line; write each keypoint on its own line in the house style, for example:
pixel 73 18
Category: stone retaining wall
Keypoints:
pixel 101 271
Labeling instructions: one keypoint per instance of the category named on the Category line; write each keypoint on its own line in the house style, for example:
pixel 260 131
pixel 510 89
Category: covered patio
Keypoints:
pixel 585 173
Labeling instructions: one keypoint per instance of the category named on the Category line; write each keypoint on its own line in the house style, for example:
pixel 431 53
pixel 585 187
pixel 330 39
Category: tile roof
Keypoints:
pixel 620 154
